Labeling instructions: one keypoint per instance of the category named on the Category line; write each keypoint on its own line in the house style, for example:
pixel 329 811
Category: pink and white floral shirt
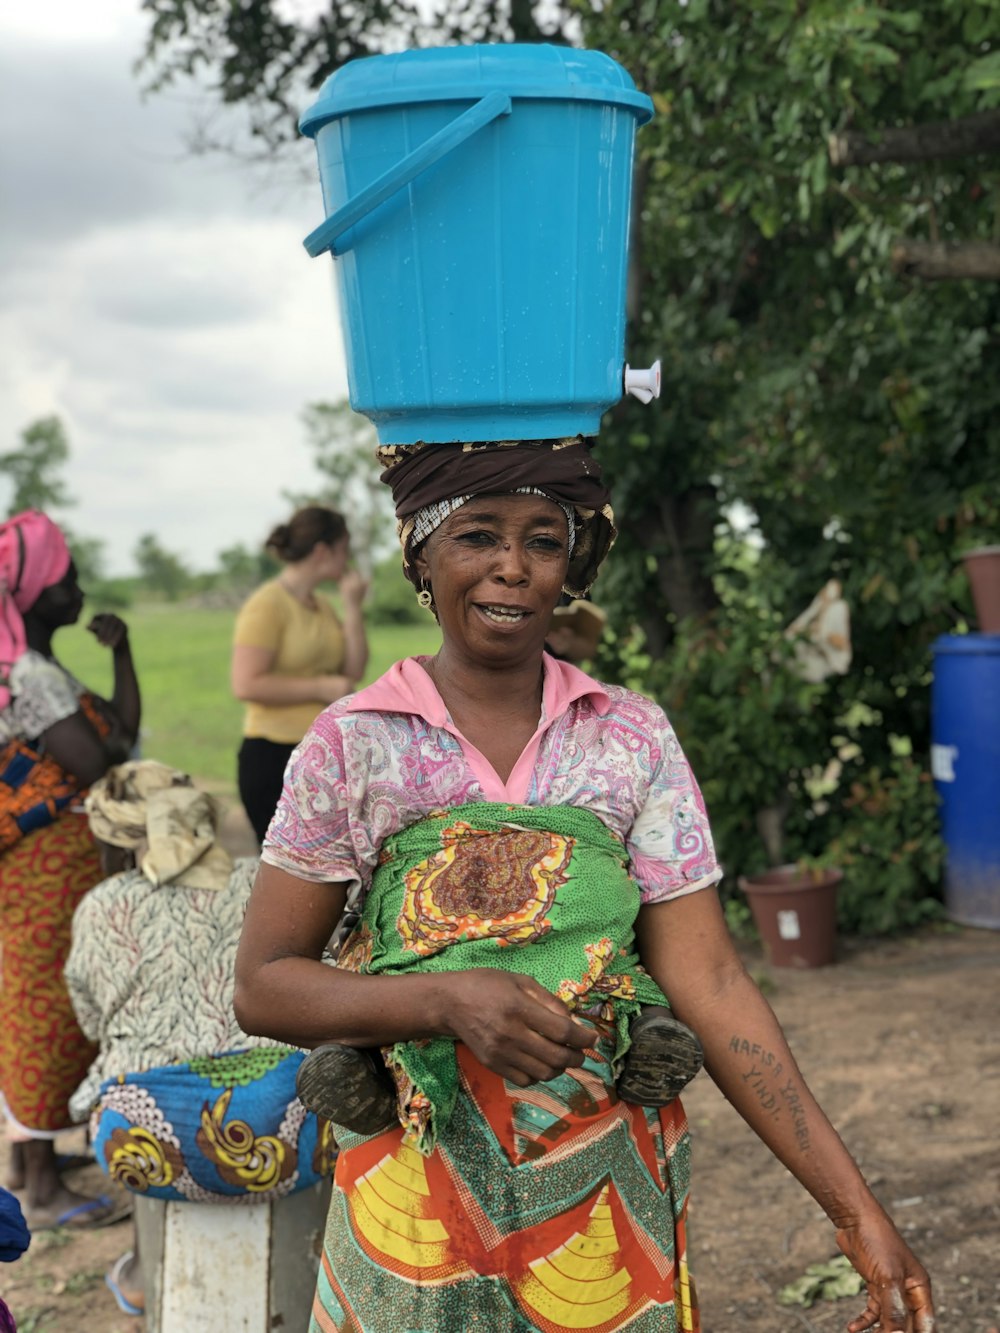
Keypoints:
pixel 379 760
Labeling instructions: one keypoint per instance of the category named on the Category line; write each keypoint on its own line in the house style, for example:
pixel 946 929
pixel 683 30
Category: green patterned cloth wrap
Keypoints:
pixel 544 891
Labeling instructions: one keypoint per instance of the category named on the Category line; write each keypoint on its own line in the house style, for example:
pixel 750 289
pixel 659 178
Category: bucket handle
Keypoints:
pixel 476 118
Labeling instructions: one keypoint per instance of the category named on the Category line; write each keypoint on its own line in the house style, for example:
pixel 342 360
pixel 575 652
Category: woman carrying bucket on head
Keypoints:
pixel 519 854
pixel 491 799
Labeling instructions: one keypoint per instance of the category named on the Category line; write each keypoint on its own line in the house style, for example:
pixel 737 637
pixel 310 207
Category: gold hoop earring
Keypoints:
pixel 425 597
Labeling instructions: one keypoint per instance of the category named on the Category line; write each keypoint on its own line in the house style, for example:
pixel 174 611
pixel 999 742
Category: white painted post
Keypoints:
pixel 221 1268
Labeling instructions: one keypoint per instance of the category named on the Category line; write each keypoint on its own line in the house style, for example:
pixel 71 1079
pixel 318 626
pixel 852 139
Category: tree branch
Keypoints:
pixel 917 143
pixel 932 261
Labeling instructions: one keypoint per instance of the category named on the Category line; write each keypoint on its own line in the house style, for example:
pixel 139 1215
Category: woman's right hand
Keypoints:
pixel 331 688
pixel 514 1026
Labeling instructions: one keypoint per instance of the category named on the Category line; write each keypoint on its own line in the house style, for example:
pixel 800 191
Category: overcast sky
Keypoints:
pixel 161 304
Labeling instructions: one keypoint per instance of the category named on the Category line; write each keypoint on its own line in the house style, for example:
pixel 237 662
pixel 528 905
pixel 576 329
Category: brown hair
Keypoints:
pixel 296 539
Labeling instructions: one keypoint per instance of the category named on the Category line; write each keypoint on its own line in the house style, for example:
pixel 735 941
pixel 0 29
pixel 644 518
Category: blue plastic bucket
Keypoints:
pixel 478 203
pixel 965 762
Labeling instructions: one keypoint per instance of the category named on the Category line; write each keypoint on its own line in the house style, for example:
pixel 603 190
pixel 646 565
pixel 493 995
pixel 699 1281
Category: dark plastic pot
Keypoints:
pixel 795 911
pixel 982 567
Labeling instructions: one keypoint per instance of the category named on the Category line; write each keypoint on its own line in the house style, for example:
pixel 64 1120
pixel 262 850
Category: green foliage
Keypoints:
pixel 110 595
pixel 841 419
pixel 343 443
pixel 240 570
pixel 739 918
pixel 823 1282
pixel 88 556
pixel 392 599
pixel 267 57
pixel 751 728
pixel 888 845
pixel 160 570
pixel 34 473
pixel 33 468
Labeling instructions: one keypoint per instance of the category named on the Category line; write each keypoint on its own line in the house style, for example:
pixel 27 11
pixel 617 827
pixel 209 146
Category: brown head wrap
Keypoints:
pixel 564 470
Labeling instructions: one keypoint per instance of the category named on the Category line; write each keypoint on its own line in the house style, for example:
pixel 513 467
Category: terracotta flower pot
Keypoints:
pixel 982 568
pixel 795 911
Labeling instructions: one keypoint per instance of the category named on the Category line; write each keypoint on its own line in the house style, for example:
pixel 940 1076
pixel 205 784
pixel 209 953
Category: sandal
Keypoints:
pixel 88 1215
pixel 74 1161
pixel 662 1060
pixel 112 1280
pixel 349 1086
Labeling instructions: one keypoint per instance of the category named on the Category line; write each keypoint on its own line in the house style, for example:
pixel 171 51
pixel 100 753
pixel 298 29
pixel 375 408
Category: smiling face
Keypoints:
pixel 496 568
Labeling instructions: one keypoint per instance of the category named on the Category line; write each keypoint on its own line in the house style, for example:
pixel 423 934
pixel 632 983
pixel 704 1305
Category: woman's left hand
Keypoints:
pixel 110 631
pixel 899 1290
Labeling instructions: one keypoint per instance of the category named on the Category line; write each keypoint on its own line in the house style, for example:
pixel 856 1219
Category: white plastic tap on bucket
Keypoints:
pixel 478 205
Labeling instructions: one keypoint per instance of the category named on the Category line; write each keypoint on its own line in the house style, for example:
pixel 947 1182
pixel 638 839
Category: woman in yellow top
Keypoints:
pixel 292 655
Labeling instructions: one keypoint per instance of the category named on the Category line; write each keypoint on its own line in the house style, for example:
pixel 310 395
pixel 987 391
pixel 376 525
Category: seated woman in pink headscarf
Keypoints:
pixel 56 738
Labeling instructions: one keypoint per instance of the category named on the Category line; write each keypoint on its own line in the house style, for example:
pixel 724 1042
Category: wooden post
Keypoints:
pixel 231 1268
pixel 933 261
pixel 917 143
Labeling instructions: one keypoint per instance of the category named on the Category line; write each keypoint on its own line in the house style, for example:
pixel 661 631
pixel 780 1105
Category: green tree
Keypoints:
pixel 818 403
pixel 261 57
pixel 241 569
pixel 34 467
pixel 34 471
pixel 88 556
pixel 160 569
pixel 343 445
pixel 850 413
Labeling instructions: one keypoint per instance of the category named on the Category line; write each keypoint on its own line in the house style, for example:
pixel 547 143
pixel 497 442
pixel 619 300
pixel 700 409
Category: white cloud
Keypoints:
pixel 160 304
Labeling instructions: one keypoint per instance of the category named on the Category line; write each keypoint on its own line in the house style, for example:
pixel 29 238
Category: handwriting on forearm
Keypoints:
pixel 794 1103
pixel 763 1079
pixel 743 1047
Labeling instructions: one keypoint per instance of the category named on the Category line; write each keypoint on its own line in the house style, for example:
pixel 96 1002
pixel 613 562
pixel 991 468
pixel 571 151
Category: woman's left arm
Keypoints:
pixel 685 945
pixel 353 589
pixel 112 632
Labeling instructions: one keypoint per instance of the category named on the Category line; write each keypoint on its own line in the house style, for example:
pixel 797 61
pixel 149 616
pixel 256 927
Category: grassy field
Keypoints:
pixel 190 719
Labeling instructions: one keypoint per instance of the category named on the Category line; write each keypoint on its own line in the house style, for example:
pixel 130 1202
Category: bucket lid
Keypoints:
pixel 987 644
pixel 467 73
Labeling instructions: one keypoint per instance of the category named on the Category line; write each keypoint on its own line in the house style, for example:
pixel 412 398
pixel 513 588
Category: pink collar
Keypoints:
pixel 407 688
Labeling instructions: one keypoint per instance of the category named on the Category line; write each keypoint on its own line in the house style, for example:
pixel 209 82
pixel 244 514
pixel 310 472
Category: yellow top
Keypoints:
pixel 305 642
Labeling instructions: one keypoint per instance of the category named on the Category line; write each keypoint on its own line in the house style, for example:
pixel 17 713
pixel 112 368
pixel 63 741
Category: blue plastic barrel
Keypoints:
pixel 478 203
pixel 965 762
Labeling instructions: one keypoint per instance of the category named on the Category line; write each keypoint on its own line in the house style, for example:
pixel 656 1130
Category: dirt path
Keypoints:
pixel 900 1041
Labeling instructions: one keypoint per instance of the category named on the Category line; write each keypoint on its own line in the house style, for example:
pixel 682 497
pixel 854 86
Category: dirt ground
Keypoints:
pixel 901 1042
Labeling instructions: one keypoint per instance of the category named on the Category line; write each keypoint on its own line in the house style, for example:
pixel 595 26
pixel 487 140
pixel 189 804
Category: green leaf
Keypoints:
pixel 983 74
pixel 822 1282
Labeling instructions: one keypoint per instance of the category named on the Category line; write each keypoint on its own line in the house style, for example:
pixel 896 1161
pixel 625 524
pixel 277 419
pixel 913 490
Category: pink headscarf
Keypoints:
pixel 33 556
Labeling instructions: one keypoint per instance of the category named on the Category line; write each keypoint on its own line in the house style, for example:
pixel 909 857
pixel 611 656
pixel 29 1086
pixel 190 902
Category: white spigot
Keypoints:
pixel 643 384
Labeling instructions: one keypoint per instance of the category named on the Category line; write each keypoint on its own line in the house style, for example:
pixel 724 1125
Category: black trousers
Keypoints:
pixel 260 770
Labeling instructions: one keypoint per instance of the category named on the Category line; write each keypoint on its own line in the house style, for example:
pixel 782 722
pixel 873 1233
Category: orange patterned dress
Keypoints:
pixel 43 1053
pixel 44 872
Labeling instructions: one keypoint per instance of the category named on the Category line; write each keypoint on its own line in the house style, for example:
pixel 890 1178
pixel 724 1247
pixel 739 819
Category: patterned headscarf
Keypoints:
pixel 33 557
pixel 157 812
pixel 431 481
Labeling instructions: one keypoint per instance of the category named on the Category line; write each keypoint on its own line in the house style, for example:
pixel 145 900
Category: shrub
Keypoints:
pixel 889 849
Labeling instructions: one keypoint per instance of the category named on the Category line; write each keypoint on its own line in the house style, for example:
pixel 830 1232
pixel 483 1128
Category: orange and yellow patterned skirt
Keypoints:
pixel 43 1053
pixel 540 1210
